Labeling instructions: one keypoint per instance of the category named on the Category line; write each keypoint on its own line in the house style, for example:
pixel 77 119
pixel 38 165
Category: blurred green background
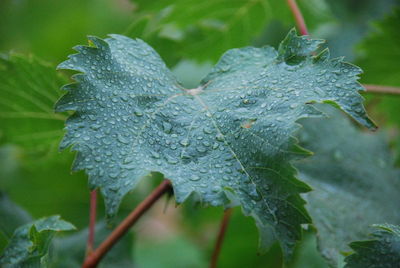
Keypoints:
pixel 190 36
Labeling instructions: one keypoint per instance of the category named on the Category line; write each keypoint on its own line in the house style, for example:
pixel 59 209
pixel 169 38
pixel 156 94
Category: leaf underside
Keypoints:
pixel 354 180
pixel 227 141
pixel 382 251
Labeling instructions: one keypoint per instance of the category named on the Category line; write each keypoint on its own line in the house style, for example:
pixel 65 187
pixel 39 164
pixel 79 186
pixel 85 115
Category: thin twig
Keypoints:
pixel 382 89
pixel 92 222
pixel 220 238
pixel 93 259
pixel 298 17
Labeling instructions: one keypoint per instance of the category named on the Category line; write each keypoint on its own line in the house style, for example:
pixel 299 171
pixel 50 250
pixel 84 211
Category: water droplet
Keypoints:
pixel 167 127
pixel 185 142
pixel 194 178
pixel 122 139
pixel 219 137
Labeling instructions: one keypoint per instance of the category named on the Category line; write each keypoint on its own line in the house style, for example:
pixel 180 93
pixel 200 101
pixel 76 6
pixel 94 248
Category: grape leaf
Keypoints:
pixel 28 90
pixel 230 139
pixel 30 243
pixel 381 251
pixel 354 180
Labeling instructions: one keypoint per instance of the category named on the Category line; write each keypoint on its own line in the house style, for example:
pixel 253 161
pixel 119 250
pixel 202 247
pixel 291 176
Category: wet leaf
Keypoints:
pixel 228 140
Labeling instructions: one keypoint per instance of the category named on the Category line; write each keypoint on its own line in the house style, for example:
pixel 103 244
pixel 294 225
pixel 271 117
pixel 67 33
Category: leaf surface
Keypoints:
pixel 381 251
pixel 354 181
pixel 229 140
pixel 30 243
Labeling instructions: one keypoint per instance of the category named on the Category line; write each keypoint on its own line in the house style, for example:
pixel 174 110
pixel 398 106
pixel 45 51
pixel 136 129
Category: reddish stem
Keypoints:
pixel 92 222
pixel 220 238
pixel 298 17
pixel 93 259
pixel 382 89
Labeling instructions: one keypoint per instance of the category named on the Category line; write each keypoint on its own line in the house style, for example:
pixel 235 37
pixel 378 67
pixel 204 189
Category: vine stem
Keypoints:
pixel 382 89
pixel 92 222
pixel 94 258
pixel 298 16
pixel 220 238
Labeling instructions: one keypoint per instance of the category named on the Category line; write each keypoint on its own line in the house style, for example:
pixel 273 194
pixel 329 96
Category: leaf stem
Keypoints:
pixel 298 17
pixel 92 222
pixel 93 259
pixel 382 89
pixel 220 237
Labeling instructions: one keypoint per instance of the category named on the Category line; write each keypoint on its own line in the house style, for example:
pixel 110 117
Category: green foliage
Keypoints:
pixel 50 28
pixel 352 187
pixel 381 251
pixel 381 65
pixel 12 216
pixel 229 140
pixel 220 24
pixel 352 172
pixel 349 22
pixel 28 90
pixel 29 244
pixel 32 131
pixel 380 60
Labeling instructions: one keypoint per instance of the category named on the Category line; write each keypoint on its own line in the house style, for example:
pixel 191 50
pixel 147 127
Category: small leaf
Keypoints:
pixel 30 243
pixel 230 139
pixel 381 251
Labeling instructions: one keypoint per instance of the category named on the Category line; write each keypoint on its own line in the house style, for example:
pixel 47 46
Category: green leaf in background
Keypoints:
pixel 29 245
pixel 12 216
pixel 347 22
pixel 32 130
pixel 354 182
pixel 380 62
pixel 381 251
pixel 230 139
pixel 28 90
pixel 189 28
pixel 49 28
